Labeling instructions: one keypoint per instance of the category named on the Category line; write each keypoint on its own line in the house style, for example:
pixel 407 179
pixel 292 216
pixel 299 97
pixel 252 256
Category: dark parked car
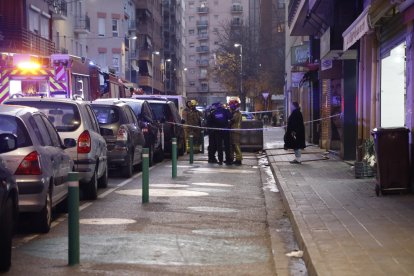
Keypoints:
pixel 149 127
pixel 124 138
pixel 167 114
pixel 8 205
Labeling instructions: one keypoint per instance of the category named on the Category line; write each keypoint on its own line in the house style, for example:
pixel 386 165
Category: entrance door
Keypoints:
pixel 393 88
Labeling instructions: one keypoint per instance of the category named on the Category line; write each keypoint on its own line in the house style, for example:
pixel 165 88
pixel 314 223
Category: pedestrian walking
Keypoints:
pixel 192 117
pixel 295 133
pixel 235 123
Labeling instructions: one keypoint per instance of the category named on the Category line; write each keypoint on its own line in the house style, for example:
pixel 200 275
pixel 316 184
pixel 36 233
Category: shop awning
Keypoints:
pixel 357 29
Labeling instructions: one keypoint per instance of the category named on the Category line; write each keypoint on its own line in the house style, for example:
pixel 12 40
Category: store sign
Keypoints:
pixel 357 30
pixel 300 54
pixel 326 64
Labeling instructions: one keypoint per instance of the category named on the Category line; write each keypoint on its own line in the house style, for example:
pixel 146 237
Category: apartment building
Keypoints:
pixel 203 20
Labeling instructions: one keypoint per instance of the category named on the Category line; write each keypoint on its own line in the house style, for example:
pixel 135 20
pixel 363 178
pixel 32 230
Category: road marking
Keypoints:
pixel 107 192
pixel 213 209
pixel 162 192
pixel 211 184
pixel 85 205
pixel 107 221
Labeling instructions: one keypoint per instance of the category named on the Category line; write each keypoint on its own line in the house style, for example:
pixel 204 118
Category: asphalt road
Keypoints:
pixel 210 220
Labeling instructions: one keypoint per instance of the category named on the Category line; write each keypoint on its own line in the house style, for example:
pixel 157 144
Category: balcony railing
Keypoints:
pixel 60 10
pixel 202 36
pixel 82 24
pixel 202 62
pixel 202 10
pixel 237 9
pixel 202 49
pixel 20 40
pixel 202 23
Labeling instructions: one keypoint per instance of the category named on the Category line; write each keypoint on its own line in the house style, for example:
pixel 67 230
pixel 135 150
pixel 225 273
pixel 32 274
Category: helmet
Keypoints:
pixel 193 103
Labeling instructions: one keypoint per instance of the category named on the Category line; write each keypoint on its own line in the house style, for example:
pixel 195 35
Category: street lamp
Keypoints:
pixel 165 73
pixel 131 49
pixel 152 78
pixel 237 45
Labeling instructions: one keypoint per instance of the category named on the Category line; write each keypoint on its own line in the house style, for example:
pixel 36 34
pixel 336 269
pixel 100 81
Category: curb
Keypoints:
pixel 281 184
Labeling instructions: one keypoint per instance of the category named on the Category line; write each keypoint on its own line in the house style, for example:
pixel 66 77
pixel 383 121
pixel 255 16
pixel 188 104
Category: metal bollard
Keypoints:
pixel 202 141
pixel 191 149
pixel 73 218
pixel 174 157
pixel 145 175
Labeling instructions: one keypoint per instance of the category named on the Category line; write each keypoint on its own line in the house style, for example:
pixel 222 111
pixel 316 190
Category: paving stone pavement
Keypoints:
pixel 342 226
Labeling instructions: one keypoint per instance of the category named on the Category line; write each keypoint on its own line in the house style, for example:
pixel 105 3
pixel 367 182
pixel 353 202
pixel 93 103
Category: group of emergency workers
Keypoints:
pixel 222 124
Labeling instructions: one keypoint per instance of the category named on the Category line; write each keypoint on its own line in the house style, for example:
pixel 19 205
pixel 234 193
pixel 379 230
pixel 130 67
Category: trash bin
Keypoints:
pixel 251 140
pixel 393 164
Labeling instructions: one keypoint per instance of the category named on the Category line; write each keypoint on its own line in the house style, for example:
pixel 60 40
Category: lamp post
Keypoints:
pixel 183 82
pixel 237 45
pixel 152 78
pixel 165 73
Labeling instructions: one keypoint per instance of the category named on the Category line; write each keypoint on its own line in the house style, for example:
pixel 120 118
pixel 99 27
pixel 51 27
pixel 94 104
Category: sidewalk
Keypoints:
pixel 340 224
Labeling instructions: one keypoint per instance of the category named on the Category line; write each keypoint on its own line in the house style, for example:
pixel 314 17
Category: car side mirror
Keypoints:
pixel 69 143
pixel 106 131
pixel 8 142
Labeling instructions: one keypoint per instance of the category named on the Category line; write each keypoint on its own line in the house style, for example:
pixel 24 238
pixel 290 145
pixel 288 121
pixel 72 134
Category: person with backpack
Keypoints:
pixel 221 119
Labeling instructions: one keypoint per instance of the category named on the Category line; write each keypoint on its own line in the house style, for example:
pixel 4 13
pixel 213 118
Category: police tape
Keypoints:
pixel 263 111
pixel 251 129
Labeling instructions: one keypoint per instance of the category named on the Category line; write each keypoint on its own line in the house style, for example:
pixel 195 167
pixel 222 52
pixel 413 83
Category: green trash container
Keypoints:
pixel 393 164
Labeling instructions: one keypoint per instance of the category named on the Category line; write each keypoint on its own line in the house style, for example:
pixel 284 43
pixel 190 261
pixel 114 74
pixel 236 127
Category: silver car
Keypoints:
pixel 76 119
pixel 33 151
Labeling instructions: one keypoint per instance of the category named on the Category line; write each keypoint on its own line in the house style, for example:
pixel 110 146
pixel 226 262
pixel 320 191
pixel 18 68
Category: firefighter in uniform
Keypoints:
pixel 235 123
pixel 193 117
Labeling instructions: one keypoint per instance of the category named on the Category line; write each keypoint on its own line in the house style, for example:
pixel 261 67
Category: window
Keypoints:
pixel 52 132
pixel 204 87
pixel 34 19
pixel 43 130
pixel 116 62
pixel 44 27
pixel 102 59
pixel 93 121
pixel 192 83
pixel 192 71
pixel 191 32
pixel 114 27
pixel 14 125
pixel 191 44
pixel 101 26
pixel 192 57
pixel 216 42
pixel 281 4
pixel 191 5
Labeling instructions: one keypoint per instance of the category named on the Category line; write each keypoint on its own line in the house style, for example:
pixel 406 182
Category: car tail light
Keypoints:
pixel 84 142
pixel 30 165
pixel 122 134
pixel 145 130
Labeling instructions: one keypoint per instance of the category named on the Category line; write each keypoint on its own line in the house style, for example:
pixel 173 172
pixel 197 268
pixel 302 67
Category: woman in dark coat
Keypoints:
pixel 295 133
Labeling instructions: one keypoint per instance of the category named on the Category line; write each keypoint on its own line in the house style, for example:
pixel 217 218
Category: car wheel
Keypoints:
pixel 128 170
pixel 91 189
pixel 103 181
pixel 6 233
pixel 44 220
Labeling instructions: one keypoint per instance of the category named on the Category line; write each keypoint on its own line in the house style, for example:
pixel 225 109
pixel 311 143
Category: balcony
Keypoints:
pixel 236 22
pixel 202 23
pixel 202 62
pixel 201 10
pixel 82 24
pixel 203 36
pixel 20 40
pixel 202 49
pixel 59 10
pixel 236 8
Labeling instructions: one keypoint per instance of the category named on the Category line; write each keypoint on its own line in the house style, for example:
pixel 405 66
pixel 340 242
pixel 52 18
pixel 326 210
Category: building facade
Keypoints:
pixel 203 20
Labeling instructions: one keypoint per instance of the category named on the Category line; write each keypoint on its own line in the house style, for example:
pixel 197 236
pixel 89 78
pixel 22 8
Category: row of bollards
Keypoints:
pixel 73 195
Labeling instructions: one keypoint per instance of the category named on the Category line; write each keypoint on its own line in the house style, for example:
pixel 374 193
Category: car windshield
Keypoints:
pixel 64 116
pixel 106 114
pixel 158 109
pixel 11 124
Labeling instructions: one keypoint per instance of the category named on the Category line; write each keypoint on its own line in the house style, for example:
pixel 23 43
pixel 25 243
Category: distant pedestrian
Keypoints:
pixel 295 133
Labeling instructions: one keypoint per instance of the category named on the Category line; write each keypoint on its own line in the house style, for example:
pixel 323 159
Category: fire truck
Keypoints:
pixel 59 75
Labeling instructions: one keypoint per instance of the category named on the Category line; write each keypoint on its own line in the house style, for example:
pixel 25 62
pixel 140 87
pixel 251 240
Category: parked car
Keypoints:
pixel 76 119
pixel 149 127
pixel 38 161
pixel 124 138
pixel 166 113
pixel 9 200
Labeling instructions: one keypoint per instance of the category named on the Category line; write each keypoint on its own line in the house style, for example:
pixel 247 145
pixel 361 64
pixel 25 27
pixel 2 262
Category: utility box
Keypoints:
pixel 251 140
pixel 393 164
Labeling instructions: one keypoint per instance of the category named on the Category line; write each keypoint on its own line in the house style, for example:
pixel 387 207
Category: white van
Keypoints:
pixel 178 100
